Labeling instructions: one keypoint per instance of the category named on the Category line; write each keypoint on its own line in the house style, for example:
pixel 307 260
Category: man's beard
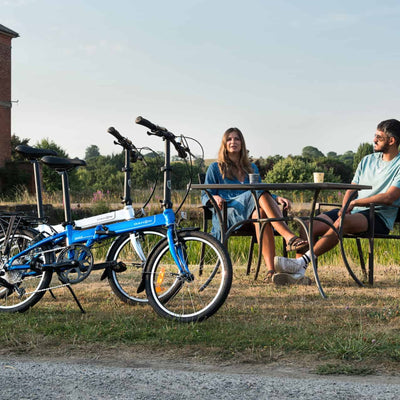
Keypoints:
pixel 384 148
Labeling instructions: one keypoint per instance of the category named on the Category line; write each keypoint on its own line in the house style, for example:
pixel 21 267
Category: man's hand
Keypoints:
pixel 349 208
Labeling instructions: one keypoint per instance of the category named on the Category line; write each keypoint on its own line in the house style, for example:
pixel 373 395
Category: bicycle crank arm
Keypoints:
pixel 114 265
pixel 60 265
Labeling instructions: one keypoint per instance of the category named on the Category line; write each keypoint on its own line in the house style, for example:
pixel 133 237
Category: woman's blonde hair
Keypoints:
pixel 226 166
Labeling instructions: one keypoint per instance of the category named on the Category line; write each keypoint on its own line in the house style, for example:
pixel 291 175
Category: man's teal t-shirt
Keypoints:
pixel 381 175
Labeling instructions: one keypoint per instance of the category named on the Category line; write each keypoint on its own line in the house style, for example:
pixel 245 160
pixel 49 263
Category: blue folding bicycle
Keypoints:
pixel 187 275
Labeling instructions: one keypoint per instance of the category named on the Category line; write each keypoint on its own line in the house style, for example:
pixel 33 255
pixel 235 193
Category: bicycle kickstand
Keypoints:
pixel 75 298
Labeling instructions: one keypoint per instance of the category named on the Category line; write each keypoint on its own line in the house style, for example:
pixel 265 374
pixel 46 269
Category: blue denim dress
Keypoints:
pixel 240 203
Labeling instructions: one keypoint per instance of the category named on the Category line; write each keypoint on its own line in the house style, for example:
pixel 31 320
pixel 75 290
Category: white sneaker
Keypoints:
pixel 282 279
pixel 289 265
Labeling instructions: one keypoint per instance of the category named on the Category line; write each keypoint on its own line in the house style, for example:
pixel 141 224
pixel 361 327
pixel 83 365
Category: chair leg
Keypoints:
pixel 371 262
pixel 361 257
pixel 250 259
pixel 284 251
pixel 259 257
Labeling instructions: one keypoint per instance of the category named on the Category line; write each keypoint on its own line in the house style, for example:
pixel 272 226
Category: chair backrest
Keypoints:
pixel 397 220
pixel 245 230
pixel 202 177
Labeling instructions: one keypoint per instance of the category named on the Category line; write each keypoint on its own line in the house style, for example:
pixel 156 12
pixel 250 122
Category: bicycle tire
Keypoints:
pixel 195 299
pixel 125 284
pixel 31 287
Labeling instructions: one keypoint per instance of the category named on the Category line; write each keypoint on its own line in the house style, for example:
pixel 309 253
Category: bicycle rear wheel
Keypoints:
pixel 125 284
pixel 189 297
pixel 28 285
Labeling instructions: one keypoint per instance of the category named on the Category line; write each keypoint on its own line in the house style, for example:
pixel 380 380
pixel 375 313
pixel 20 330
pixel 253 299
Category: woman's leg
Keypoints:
pixel 272 210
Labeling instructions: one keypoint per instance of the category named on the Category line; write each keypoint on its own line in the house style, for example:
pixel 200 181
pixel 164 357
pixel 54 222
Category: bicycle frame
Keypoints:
pixel 89 236
pixel 126 213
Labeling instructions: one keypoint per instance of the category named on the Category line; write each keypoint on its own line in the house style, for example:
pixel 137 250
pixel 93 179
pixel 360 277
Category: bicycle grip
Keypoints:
pixel 115 133
pixel 146 123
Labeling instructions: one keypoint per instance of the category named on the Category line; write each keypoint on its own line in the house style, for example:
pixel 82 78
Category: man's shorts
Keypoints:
pixel 380 226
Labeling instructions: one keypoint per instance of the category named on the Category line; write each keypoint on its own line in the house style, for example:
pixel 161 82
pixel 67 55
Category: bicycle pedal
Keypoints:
pixel 119 267
pixel 36 264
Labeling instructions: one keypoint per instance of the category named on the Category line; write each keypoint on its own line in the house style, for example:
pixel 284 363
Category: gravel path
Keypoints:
pixel 25 379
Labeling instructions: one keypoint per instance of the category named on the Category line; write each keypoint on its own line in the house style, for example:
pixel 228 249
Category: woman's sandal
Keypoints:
pixel 297 244
pixel 269 276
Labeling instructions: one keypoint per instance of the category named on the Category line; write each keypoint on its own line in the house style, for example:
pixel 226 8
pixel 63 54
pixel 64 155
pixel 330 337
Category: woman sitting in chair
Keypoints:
pixel 233 166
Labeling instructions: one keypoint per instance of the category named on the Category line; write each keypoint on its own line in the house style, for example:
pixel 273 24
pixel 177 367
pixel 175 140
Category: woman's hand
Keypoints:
pixel 287 204
pixel 219 200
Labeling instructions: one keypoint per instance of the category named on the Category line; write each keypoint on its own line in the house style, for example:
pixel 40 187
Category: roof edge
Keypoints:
pixel 8 31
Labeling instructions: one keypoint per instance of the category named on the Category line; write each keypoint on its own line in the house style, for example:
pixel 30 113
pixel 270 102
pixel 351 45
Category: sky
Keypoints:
pixel 288 73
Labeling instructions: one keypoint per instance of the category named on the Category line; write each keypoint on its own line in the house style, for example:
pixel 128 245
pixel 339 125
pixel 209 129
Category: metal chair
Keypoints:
pixel 246 230
pixel 368 276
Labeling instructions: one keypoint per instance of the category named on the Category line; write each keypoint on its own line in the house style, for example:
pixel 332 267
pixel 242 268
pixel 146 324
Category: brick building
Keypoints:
pixel 6 35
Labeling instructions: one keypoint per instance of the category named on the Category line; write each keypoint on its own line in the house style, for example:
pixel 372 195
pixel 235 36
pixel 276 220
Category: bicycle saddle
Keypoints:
pixel 62 164
pixel 32 153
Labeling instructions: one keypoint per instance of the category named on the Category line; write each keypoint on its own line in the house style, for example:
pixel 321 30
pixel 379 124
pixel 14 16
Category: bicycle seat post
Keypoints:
pixel 38 187
pixel 66 197
pixel 62 166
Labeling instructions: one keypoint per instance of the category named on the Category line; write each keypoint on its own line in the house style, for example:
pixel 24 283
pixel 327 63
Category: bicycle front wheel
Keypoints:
pixel 132 250
pixel 29 286
pixel 196 295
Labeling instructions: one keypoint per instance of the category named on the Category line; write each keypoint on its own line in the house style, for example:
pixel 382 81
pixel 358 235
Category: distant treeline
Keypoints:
pixel 103 174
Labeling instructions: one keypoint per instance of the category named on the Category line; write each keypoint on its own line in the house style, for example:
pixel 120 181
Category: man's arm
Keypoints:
pixel 387 198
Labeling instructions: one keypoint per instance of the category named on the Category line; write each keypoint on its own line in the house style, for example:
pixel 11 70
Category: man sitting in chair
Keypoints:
pixel 381 170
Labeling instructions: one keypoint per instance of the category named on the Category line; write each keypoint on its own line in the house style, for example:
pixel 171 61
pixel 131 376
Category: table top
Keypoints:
pixel 281 186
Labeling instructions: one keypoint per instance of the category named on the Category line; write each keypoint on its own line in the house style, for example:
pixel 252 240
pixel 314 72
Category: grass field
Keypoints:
pixel 354 331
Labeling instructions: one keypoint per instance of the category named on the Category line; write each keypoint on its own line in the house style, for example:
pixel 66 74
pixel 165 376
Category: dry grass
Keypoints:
pixel 354 329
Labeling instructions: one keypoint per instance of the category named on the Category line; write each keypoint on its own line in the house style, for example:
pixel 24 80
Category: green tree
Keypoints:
pixel 266 164
pixel 347 158
pixel 292 169
pixel 311 152
pixel 296 169
pixel 102 173
pixel 16 141
pixel 51 179
pixel 363 150
pixel 92 152
pixel 334 169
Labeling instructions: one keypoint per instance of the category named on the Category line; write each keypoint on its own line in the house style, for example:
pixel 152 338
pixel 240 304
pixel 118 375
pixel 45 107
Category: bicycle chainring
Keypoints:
pixel 84 258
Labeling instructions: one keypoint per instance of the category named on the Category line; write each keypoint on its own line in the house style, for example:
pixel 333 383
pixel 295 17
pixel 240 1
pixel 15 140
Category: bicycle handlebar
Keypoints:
pixel 126 144
pixel 148 124
pixel 164 133
pixel 116 134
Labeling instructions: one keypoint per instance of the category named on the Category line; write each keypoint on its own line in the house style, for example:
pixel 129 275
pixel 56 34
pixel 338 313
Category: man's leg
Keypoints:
pixel 352 223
